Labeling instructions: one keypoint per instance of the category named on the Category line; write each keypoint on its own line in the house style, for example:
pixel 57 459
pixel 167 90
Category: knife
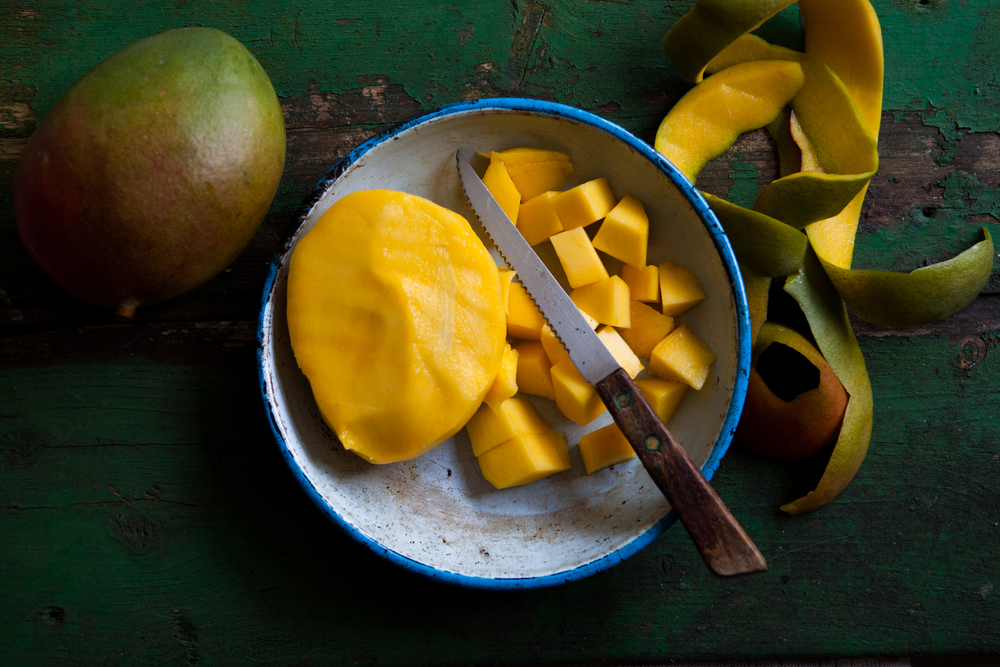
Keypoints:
pixel 718 536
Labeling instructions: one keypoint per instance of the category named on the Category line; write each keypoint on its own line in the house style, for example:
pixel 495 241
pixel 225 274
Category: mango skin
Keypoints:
pixel 795 429
pixel 153 172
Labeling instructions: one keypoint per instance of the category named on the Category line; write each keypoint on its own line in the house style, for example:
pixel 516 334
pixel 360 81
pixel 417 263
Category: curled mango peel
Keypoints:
pixel 750 84
pixel 710 27
pixel 826 138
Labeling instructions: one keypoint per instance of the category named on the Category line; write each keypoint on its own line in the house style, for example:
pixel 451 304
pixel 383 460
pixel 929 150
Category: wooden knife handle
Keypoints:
pixel 722 542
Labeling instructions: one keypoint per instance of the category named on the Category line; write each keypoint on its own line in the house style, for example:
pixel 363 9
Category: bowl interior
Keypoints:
pixel 436 514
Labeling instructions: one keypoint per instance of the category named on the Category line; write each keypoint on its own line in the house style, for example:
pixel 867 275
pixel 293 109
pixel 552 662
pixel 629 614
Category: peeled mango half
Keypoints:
pixel 395 317
pixel 153 172
pixel 825 122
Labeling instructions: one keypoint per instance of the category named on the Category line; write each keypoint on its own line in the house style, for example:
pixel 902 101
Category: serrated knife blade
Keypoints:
pixel 722 542
pixel 591 357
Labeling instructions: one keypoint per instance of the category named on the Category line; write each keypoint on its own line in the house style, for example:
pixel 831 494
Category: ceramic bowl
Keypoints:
pixel 436 515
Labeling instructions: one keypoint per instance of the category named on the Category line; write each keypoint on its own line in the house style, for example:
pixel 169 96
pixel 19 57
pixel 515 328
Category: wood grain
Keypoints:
pixel 146 516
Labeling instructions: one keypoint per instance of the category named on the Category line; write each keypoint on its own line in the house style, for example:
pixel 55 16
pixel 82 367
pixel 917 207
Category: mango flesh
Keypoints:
pixel 643 283
pixel 606 301
pixel 603 448
pixel 525 459
pixel 153 172
pixel 578 257
pixel 534 370
pixel 629 305
pixel 497 181
pixel 513 417
pixel 624 234
pixel 395 317
pixel 505 384
pixel 536 170
pixel 680 289
pixel 682 357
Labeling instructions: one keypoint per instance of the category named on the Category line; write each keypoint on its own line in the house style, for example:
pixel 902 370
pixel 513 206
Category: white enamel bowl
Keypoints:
pixel 436 515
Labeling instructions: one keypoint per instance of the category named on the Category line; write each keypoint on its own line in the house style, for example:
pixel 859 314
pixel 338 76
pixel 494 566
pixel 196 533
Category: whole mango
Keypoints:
pixel 153 172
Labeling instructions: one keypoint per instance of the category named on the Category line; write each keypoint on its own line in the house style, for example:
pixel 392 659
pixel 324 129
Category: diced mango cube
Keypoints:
pixel 553 347
pixel 648 327
pixel 537 219
pixel 506 276
pixel 607 301
pixel 680 289
pixel 536 170
pixel 604 447
pixel 498 182
pixel 578 257
pixel 643 283
pixel 525 459
pixel 575 397
pixel 682 357
pixel 586 203
pixel 534 370
pixel 513 417
pixel 524 320
pixel 505 383
pixel 664 396
pixel 624 234
pixel 620 350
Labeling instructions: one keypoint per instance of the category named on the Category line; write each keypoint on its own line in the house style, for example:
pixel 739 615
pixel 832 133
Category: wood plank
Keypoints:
pixel 148 499
pixel 146 515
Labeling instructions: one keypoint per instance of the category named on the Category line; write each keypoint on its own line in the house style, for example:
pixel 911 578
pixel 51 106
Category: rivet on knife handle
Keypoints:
pixel 722 542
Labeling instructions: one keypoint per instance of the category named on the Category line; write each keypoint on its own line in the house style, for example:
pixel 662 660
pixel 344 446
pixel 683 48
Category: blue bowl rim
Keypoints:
pixel 719 238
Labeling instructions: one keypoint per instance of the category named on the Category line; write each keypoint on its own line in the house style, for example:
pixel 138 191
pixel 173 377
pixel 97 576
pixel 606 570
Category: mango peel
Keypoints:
pixel 840 97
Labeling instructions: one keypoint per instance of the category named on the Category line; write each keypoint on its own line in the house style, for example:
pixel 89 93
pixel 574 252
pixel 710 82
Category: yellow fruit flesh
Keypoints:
pixel 395 317
pixel 578 258
pixel 585 204
pixel 648 327
pixel 498 182
pixel 604 448
pixel 643 283
pixel 536 170
pixel 525 459
pixel 624 234
pixel 524 321
pixel 513 417
pixel 575 397
pixel 682 357
pixel 680 289
pixel 537 219
pixel 544 368
pixel 622 353
pixel 664 396
pixel 534 370
pixel 607 301
pixel 554 349
pixel 505 384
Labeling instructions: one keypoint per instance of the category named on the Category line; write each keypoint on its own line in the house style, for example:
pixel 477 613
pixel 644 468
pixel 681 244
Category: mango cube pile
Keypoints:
pixel 633 312
pixel 515 445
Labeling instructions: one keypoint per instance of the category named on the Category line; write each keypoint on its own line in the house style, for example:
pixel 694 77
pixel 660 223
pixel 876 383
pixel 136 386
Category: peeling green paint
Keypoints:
pixel 745 177
pixel 932 233
pixel 942 61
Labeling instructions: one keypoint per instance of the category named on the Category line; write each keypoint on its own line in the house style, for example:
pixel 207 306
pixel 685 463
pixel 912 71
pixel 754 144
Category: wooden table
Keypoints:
pixel 147 518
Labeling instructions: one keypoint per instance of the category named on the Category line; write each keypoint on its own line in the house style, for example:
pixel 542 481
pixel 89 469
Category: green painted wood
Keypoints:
pixel 146 516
